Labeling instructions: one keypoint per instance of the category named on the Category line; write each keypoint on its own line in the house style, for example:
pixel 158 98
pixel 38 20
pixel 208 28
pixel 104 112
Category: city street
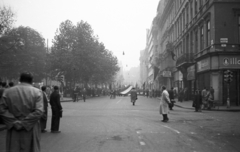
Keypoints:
pixel 102 124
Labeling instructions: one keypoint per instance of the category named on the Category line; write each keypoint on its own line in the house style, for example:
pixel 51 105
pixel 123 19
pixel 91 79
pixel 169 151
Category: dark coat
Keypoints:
pixel 133 95
pixel 197 100
pixel 55 103
pixel 43 119
pixel 171 94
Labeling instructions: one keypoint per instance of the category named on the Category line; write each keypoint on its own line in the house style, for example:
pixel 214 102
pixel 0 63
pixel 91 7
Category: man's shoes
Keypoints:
pixel 165 120
pixel 55 131
pixel 43 131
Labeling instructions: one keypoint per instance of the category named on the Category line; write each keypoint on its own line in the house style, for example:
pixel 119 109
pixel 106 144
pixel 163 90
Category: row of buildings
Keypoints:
pixel 190 44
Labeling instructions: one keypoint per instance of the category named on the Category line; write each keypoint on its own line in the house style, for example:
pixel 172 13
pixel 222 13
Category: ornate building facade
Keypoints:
pixel 197 41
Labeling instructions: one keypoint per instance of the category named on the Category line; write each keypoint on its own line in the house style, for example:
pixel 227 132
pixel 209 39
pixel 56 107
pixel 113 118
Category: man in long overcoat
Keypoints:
pixel 21 108
pixel 43 120
pixel 133 96
pixel 56 110
pixel 197 101
pixel 164 104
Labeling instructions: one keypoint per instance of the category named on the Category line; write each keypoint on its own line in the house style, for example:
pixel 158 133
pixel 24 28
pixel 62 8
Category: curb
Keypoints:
pixel 226 110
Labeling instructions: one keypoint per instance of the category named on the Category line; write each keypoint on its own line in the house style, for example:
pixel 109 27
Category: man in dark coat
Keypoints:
pixel 197 101
pixel 56 110
pixel 43 119
pixel 171 96
pixel 133 96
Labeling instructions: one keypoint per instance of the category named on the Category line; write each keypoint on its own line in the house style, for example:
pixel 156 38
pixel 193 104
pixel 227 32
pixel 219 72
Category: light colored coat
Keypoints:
pixel 164 101
pixel 21 108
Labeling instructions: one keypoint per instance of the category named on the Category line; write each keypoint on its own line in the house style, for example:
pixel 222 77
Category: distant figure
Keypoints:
pixel 171 96
pixel 21 110
pixel 197 101
pixel 212 92
pixel 43 119
pixel 10 84
pixel 180 95
pixel 147 93
pixel 84 94
pixel 164 104
pixel 56 110
pixel 133 96
pixel 204 94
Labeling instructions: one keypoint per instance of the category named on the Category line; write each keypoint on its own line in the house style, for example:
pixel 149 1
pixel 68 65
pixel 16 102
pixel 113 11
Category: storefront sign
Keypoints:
pixel 229 62
pixel 167 74
pixel 191 73
pixel 223 40
pixel 178 76
pixel 203 65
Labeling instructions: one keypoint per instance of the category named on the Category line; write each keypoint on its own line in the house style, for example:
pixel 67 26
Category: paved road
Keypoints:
pixel 114 125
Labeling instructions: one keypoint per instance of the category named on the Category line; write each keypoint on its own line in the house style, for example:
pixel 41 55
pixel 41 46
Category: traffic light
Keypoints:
pixel 228 76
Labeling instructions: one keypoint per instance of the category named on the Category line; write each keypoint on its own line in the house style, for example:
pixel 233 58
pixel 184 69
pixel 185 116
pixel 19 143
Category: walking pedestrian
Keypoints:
pixel 133 96
pixel 21 108
pixel 164 104
pixel 43 119
pixel 56 110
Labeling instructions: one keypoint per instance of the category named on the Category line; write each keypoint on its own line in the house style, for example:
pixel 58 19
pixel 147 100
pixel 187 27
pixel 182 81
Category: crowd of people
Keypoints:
pixel 24 111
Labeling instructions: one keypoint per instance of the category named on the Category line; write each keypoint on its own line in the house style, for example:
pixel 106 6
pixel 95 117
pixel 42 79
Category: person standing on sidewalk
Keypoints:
pixel 204 94
pixel 197 101
pixel 21 108
pixel 43 119
pixel 56 110
pixel 171 96
pixel 164 102
pixel 180 95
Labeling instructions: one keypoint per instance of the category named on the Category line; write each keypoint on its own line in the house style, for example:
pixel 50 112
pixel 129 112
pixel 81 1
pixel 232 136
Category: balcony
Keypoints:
pixel 185 60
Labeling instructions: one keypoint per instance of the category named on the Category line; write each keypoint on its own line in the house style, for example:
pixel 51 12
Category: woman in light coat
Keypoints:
pixel 164 104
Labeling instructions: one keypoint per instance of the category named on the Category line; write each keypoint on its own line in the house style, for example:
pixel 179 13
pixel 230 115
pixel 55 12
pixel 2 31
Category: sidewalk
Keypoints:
pixel 65 99
pixel 188 105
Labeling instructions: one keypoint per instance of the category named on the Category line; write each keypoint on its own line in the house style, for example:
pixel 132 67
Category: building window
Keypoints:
pixel 191 10
pixel 201 38
pixel 180 24
pixel 187 44
pixel 187 15
pixel 196 8
pixel 208 34
pixel 200 3
pixel 196 41
pixel 183 18
pixel 191 42
pixel 239 28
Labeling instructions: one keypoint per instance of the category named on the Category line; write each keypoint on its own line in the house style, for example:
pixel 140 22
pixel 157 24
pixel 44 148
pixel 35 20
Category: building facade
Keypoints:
pixel 197 41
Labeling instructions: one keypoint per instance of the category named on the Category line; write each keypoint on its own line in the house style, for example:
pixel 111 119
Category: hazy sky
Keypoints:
pixel 120 24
